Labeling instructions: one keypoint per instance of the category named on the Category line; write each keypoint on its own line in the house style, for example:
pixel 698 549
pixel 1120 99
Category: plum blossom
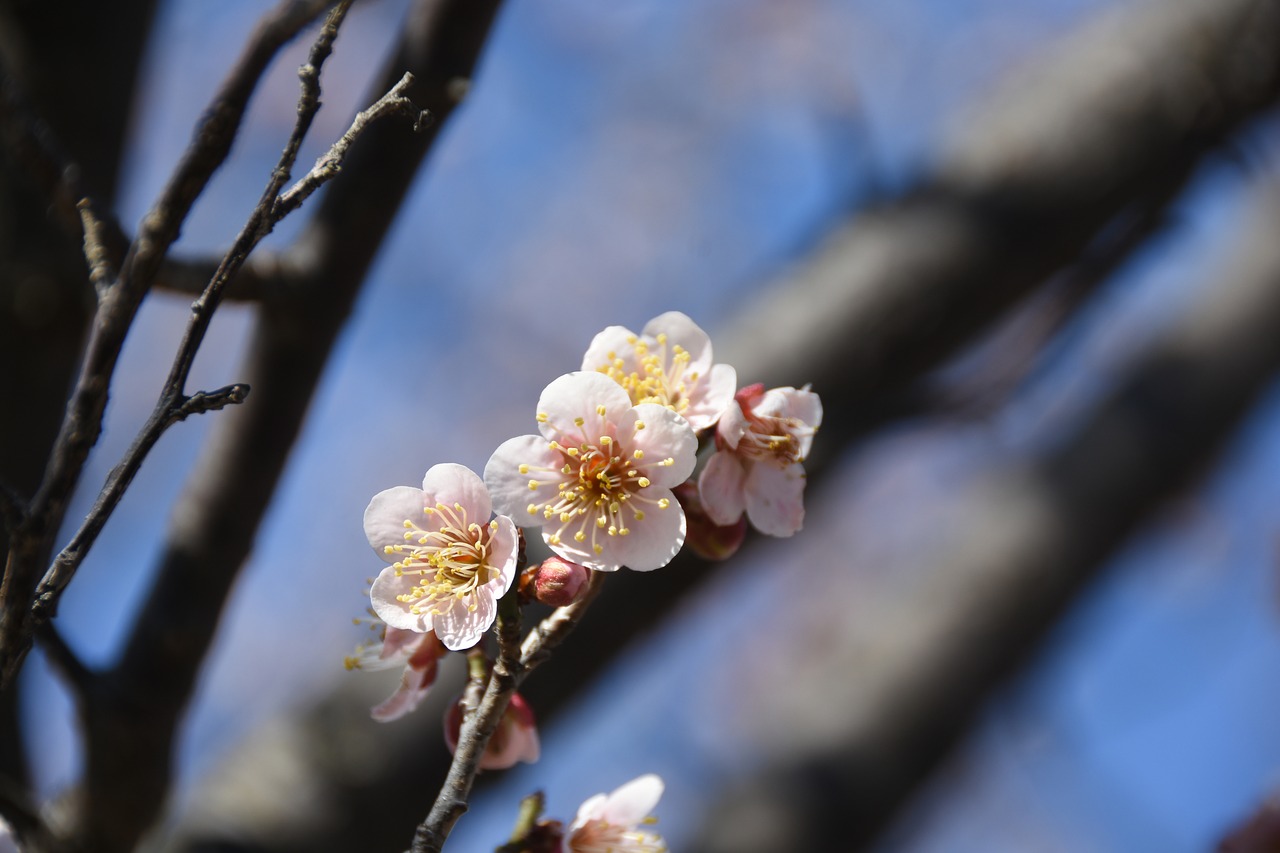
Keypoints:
pixel 599 477
pixel 420 655
pixel 613 822
pixel 762 440
pixel 515 739
pixel 669 363
pixel 450 563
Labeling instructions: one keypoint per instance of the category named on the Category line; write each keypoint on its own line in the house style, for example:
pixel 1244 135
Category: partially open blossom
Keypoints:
pixel 708 540
pixel 599 477
pixel 614 822
pixel 669 363
pixel 762 439
pixel 558 582
pixel 420 655
pixel 515 739
pixel 450 563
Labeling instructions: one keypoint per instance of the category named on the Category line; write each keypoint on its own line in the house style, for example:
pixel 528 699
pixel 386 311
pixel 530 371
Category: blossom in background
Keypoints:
pixel 515 739
pixel 599 477
pixel 613 822
pixel 420 655
pixel 762 439
pixel 669 364
pixel 450 563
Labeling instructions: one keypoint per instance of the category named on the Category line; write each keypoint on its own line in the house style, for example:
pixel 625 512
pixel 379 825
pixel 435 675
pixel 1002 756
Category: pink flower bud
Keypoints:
pixel 558 582
pixel 708 540
pixel 516 738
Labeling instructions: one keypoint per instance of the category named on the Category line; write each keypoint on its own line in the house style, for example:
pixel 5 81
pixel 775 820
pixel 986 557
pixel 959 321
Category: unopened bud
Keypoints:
pixel 558 582
pixel 709 540
pixel 515 739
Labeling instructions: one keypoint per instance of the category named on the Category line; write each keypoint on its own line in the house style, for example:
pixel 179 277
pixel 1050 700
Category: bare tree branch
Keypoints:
pixel 129 734
pixel 117 307
pixel 174 405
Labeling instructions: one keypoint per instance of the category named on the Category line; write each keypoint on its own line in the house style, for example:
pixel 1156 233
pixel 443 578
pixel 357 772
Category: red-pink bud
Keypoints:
pixel 515 739
pixel 558 582
pixel 708 540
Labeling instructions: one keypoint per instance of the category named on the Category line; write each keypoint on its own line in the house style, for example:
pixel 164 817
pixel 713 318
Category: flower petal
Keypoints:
pixel 386 514
pixel 631 803
pixel 460 627
pixel 503 555
pixel 614 341
pixel 399 644
pixel 578 395
pixel 592 809
pixel 652 542
pixel 666 435
pixel 732 427
pixel 386 586
pixel 509 488
pixel 712 395
pixel 683 332
pixel 775 498
pixel 408 695
pixel 450 483
pixel 721 486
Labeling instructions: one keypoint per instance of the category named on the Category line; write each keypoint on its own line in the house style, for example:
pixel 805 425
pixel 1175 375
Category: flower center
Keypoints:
pixel 599 489
pixel 661 378
pixel 774 439
pixel 450 560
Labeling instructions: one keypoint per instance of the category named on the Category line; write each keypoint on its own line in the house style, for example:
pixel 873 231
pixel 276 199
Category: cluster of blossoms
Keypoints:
pixel 608 481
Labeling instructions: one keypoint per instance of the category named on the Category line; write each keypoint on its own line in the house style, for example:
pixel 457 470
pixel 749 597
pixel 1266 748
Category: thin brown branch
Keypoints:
pixel 328 165
pixel 515 661
pixel 82 422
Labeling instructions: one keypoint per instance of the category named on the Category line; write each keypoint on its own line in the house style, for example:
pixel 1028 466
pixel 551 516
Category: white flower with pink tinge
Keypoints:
pixel 419 654
pixel 762 439
pixel 669 363
pixel 450 563
pixel 599 477
pixel 612 823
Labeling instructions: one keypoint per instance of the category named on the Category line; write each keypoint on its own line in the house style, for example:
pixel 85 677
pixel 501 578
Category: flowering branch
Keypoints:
pixel 514 664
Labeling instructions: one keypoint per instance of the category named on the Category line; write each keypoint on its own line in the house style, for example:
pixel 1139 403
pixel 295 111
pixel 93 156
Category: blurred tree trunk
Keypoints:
pixel 77 69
